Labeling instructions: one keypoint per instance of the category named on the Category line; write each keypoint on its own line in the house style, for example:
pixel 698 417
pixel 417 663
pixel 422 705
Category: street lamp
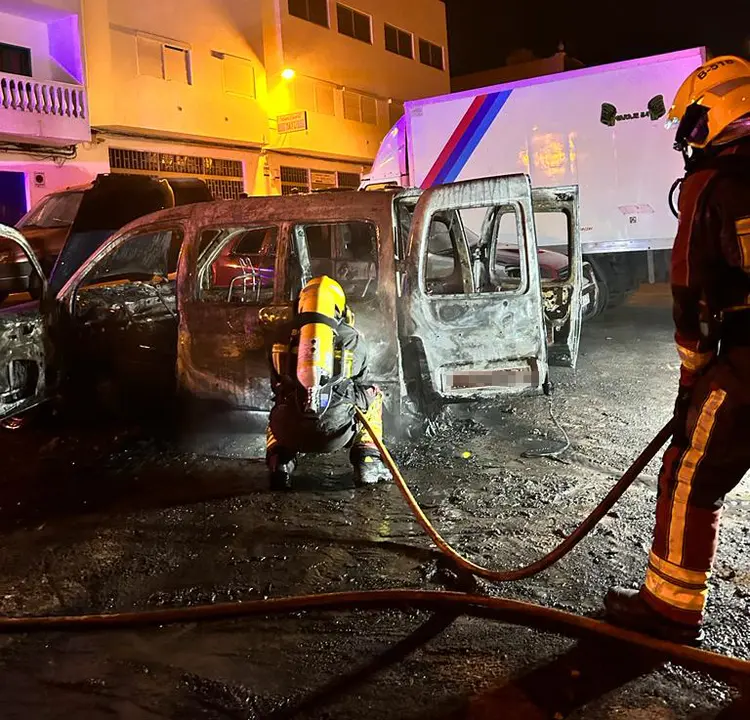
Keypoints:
pixel 288 74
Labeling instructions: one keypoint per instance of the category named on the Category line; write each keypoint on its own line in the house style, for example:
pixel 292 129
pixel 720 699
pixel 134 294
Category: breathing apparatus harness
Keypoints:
pixel 315 364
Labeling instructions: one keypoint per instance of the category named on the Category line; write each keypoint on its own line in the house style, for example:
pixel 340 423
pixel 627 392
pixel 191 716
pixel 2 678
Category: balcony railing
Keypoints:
pixel 45 97
pixel 42 111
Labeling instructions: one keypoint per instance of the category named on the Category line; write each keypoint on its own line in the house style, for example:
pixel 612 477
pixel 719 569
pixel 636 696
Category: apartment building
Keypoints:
pixel 342 71
pixel 43 104
pixel 254 96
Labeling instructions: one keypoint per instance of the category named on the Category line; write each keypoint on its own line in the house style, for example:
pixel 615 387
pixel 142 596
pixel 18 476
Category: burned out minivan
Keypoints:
pixel 180 301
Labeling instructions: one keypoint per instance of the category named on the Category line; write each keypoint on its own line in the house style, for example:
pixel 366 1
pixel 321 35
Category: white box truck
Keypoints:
pixel 600 128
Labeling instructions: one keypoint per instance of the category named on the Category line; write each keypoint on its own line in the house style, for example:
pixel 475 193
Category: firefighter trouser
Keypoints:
pixel 288 433
pixel 696 474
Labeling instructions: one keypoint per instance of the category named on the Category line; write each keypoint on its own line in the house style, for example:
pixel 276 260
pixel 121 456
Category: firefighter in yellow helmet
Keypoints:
pixel 709 452
pixel 318 374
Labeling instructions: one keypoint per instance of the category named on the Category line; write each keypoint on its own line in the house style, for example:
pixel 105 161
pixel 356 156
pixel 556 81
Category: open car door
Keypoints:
pixel 23 345
pixel 475 319
pixel 556 209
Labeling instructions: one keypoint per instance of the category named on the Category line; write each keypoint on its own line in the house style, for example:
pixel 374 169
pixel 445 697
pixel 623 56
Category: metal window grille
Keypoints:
pixel 294 180
pixel 218 173
pixel 348 180
pixel 225 189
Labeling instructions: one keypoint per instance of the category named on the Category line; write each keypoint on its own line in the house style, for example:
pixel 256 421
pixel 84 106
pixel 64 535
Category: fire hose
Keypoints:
pixel 494 608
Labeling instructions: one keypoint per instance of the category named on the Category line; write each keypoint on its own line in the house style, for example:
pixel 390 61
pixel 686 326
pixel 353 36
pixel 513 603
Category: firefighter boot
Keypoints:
pixel 368 467
pixel 280 463
pixel 628 609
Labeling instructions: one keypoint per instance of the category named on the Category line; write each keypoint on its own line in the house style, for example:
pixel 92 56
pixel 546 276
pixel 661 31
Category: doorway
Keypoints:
pixel 12 197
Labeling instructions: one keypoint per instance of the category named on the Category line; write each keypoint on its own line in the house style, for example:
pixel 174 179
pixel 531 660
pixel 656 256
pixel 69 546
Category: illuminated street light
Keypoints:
pixel 288 74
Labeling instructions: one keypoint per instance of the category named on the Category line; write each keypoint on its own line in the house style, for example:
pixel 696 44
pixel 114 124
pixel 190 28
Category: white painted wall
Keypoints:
pixel 32 34
pixel 328 55
pixel 82 170
pixel 316 53
pixel 120 96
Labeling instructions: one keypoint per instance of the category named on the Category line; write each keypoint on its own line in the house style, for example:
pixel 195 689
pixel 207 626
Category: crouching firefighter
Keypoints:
pixel 318 374
pixel 710 448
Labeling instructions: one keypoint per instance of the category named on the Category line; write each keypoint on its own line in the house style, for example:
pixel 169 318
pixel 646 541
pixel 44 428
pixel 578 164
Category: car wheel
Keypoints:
pixel 3 297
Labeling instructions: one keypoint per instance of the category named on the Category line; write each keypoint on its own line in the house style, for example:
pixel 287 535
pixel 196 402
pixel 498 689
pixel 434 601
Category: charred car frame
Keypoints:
pixel 180 301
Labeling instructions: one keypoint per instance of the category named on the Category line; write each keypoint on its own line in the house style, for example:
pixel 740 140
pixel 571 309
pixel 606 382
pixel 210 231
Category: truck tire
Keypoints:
pixel 616 280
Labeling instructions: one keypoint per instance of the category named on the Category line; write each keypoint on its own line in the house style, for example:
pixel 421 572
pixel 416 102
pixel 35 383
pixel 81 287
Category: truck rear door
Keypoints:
pixel 556 209
pixel 475 319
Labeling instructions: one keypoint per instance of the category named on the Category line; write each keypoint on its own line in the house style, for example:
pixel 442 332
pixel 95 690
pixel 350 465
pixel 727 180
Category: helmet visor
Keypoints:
pixel 693 127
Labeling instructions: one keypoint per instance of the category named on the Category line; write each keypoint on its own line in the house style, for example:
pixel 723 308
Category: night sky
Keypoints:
pixel 482 32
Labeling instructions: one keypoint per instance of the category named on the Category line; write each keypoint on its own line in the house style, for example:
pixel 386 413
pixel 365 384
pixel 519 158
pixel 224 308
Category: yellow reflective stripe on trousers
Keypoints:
pixel 374 416
pixel 743 237
pixel 686 473
pixel 677 573
pixel 693 360
pixel 270 438
pixel 675 595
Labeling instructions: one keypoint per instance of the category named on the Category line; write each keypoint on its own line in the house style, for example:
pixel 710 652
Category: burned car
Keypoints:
pixel 179 302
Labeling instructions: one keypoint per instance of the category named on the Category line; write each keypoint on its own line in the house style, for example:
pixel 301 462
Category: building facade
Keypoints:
pixel 253 96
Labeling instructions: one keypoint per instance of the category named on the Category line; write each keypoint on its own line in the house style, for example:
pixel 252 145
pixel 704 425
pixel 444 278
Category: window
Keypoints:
pixel 301 180
pixel 508 267
pixel 369 110
pixel 218 173
pixel 360 108
pixel 294 180
pixel 239 76
pixel 163 61
pixel 240 265
pixel 349 180
pixel 399 41
pixel 443 270
pixel 314 11
pixel 149 257
pixel 324 99
pixel 176 64
pixel 354 24
pixel 15 60
pixel 431 54
pixel 347 252
pixel 352 106
pixel 315 96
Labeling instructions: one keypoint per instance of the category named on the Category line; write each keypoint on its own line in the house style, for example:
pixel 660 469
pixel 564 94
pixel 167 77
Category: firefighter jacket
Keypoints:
pixel 711 258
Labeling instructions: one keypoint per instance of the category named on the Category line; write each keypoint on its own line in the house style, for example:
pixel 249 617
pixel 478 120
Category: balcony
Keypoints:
pixel 42 112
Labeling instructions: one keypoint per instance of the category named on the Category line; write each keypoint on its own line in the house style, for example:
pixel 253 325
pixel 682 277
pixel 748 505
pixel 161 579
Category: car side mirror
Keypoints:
pixel 275 314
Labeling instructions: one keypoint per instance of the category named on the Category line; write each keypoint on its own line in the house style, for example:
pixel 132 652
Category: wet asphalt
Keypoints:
pixel 99 518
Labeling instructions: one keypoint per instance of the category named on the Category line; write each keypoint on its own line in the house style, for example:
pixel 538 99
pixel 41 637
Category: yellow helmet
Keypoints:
pixel 713 104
